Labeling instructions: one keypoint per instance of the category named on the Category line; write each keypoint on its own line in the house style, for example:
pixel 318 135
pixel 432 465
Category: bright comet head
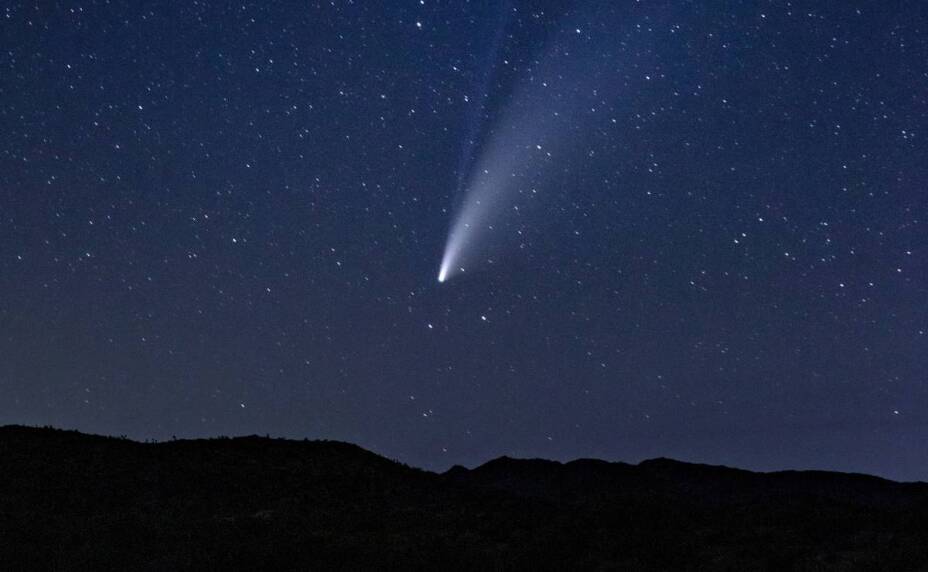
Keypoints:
pixel 450 260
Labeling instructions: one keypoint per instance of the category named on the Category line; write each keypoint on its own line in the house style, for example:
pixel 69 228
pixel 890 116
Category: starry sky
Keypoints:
pixel 228 218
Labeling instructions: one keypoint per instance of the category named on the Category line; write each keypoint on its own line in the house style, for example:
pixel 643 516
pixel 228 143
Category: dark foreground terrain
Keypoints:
pixel 73 501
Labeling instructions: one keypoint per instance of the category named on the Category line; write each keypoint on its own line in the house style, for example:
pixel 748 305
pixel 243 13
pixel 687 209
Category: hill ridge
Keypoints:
pixel 74 501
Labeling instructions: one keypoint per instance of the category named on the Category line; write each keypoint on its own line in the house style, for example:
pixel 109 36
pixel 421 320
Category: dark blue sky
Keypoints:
pixel 220 219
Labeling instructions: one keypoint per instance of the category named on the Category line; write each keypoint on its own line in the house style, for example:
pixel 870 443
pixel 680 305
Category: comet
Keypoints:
pixel 491 193
pixel 505 178
pixel 554 106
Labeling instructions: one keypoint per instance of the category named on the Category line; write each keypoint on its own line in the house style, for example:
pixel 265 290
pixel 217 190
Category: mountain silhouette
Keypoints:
pixel 70 501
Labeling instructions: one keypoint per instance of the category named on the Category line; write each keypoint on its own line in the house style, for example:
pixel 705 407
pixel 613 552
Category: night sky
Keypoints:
pixel 225 219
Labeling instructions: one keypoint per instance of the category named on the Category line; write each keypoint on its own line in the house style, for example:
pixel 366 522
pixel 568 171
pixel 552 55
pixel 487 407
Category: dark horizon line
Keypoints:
pixel 454 467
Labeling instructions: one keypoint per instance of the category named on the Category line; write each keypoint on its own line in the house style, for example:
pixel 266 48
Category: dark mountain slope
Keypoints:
pixel 73 501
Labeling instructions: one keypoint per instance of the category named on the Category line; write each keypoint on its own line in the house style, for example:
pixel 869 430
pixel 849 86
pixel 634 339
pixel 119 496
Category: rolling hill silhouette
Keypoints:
pixel 83 502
